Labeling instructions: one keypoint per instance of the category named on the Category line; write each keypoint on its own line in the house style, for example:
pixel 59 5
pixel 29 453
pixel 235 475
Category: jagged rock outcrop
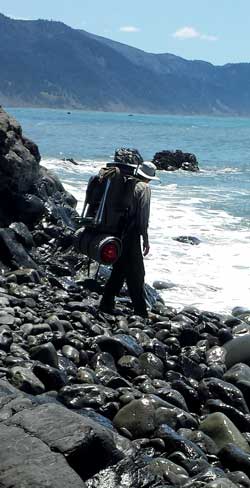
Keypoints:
pixel 27 190
pixel 128 156
pixel 173 160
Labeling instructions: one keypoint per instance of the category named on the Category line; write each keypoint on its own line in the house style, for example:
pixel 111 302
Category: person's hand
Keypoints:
pixel 145 248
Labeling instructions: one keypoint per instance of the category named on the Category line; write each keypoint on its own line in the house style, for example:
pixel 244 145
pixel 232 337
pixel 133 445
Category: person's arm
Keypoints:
pixel 143 194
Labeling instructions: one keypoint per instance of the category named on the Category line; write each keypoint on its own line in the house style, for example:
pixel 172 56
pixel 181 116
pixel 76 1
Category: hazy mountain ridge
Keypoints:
pixel 47 63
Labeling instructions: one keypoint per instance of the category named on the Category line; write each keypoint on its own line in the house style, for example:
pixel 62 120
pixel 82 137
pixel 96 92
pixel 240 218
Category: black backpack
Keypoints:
pixel 108 200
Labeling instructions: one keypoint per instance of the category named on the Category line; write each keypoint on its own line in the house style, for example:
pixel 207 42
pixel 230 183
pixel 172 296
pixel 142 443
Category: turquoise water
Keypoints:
pixel 213 205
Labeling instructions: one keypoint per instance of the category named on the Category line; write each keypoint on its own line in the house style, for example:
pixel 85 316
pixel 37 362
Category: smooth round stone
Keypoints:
pixel 119 345
pixel 52 378
pixel 163 285
pixel 6 318
pixel 138 417
pixel 238 372
pixel 151 365
pixel 85 375
pixel 166 416
pixel 37 329
pixel 71 353
pixel 215 388
pixel 223 431
pixel 46 353
pixel 221 483
pixel 170 471
pixel 238 311
pixel 201 439
pixel 239 478
pixel 129 366
pixel 6 338
pixel 103 359
pixel 215 355
pixel 24 379
pixel 240 330
pixel 234 458
pixel 237 351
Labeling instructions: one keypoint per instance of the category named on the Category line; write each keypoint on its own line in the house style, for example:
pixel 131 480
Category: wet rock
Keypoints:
pixel 25 380
pixel 6 337
pixel 235 458
pixel 128 156
pixel 151 365
pixel 82 396
pixel 51 378
pixel 103 359
pixel 129 366
pixel 87 446
pixel 133 471
pixel 138 417
pixel 237 351
pixel 194 241
pixel 27 461
pixel 203 441
pixel 240 478
pixel 13 253
pixel 119 345
pixel 23 234
pixel 223 431
pixel 174 160
pixel 242 421
pixel 71 353
pixel 86 376
pixel 237 373
pixel 6 318
pixel 172 396
pixel 110 378
pixel 169 471
pixel 212 388
pixel 26 275
pixel 163 285
pixel 175 442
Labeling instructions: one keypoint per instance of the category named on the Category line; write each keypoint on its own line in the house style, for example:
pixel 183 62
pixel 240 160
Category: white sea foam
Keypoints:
pixel 214 275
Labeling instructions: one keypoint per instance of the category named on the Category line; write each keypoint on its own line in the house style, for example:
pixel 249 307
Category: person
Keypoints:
pixel 130 266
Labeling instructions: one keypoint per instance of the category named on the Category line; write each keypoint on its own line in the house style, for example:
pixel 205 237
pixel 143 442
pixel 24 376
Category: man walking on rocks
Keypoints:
pixel 130 266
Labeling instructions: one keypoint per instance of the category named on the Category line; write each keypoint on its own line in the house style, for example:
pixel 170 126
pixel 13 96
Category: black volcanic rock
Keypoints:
pixel 128 156
pixel 173 160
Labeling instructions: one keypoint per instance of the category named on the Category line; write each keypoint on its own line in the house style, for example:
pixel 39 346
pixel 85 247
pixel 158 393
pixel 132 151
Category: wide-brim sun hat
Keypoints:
pixel 147 170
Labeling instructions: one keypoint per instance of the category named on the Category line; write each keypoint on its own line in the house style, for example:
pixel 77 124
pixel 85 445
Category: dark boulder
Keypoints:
pixel 27 461
pixel 128 156
pixel 171 161
pixel 13 253
pixel 18 165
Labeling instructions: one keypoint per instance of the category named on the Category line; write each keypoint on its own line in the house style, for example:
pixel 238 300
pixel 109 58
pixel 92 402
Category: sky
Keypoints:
pixel 217 31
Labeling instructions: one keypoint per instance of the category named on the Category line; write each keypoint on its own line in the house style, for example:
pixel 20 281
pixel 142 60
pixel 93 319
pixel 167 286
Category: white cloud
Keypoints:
pixel 191 33
pixel 129 28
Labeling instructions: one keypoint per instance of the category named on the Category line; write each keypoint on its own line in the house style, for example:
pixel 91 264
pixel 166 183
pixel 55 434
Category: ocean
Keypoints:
pixel 212 205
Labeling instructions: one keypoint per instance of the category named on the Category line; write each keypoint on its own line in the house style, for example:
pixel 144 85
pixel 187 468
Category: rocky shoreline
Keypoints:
pixel 99 401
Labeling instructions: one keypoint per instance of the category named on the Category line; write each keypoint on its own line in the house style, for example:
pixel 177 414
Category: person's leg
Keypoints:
pixel 135 273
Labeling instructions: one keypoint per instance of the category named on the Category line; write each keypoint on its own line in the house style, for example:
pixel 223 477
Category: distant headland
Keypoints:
pixel 49 64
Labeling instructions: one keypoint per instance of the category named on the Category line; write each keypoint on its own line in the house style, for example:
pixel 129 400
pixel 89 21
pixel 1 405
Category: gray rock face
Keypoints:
pixel 28 462
pixel 87 446
pixel 19 158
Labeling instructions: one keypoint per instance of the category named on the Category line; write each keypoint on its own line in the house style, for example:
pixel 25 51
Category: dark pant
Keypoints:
pixel 129 267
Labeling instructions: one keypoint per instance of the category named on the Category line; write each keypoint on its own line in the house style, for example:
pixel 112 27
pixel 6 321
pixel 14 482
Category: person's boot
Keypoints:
pixel 107 306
